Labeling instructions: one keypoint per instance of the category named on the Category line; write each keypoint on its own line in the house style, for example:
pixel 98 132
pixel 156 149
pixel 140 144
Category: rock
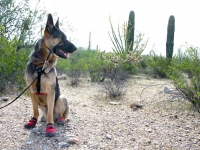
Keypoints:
pixel 176 116
pixel 167 89
pixel 94 146
pixel 62 78
pixel 73 140
pixel 134 108
pixel 136 105
pixel 64 144
pixel 133 139
pixel 85 142
pixel 108 136
pixel 35 130
pixel 115 103
pixel 149 130
pixel 187 127
pixel 29 142
pixel 5 99
pixel 148 141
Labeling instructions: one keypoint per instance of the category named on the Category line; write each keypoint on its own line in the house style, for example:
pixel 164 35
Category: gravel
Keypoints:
pixel 95 123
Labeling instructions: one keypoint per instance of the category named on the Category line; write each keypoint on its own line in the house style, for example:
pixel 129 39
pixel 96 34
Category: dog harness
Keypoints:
pixel 41 71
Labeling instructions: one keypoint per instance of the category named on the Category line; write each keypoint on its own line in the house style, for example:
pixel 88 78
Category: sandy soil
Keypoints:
pixel 95 123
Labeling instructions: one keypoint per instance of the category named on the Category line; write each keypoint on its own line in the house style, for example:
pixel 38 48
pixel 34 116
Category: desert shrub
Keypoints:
pixel 12 64
pixel 74 76
pixel 186 75
pixel 76 61
pixel 84 61
pixel 95 68
pixel 114 87
pixel 143 66
pixel 158 65
pixel 63 65
pixel 129 67
pixel 116 74
pixel 76 69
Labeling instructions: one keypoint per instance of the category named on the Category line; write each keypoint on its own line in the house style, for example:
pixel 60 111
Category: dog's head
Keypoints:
pixel 56 40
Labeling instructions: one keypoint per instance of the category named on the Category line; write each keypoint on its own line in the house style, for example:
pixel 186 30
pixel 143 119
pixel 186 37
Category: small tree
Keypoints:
pixel 19 21
pixel 12 64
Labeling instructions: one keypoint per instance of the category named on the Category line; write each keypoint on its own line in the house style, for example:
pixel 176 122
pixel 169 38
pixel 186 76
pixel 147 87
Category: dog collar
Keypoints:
pixel 40 57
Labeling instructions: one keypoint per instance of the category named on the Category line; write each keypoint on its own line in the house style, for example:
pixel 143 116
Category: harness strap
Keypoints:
pixel 41 93
pixel 40 71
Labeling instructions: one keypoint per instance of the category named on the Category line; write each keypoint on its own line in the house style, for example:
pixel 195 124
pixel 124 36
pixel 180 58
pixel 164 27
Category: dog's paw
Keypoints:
pixel 60 121
pixel 50 130
pixel 31 123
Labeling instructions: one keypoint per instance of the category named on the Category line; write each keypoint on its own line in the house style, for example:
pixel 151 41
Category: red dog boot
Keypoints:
pixel 50 130
pixel 31 123
pixel 60 121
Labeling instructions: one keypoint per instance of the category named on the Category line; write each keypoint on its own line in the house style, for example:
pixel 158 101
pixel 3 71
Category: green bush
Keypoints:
pixel 95 67
pixel 84 61
pixel 159 66
pixel 185 72
pixel 154 65
pixel 13 63
pixel 63 65
pixel 129 67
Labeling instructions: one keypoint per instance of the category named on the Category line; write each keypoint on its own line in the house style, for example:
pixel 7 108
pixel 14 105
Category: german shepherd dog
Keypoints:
pixel 44 91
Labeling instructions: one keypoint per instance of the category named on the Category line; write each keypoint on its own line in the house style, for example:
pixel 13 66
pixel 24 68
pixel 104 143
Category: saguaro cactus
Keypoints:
pixel 130 30
pixel 89 43
pixel 170 37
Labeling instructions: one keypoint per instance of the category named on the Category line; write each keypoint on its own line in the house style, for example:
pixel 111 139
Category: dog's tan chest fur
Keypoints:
pixel 41 99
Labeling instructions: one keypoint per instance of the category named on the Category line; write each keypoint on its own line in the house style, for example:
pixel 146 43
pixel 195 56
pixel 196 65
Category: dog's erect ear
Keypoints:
pixel 50 24
pixel 57 23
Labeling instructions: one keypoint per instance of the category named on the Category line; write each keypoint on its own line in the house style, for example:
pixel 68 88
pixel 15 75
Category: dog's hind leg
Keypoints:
pixel 61 110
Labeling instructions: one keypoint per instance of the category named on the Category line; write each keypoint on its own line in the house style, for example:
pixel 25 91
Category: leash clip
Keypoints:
pixel 47 70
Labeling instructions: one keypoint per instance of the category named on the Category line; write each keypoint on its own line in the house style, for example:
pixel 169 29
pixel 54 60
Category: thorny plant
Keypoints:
pixel 121 53
pixel 74 76
pixel 114 87
pixel 165 97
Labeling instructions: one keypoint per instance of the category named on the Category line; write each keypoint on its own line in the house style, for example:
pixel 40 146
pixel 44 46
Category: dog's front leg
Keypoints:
pixel 35 106
pixel 50 105
pixel 50 129
pixel 33 121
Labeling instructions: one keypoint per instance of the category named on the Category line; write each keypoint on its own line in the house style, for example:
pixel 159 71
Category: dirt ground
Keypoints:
pixel 97 122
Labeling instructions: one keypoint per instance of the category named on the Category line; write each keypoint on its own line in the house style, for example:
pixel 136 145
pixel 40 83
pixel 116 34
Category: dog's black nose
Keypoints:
pixel 74 48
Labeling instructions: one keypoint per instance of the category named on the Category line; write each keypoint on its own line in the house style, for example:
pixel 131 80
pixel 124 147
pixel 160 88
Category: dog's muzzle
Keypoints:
pixel 63 48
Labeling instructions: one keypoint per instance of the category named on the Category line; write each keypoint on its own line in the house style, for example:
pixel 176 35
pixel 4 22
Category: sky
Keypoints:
pixel 151 18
